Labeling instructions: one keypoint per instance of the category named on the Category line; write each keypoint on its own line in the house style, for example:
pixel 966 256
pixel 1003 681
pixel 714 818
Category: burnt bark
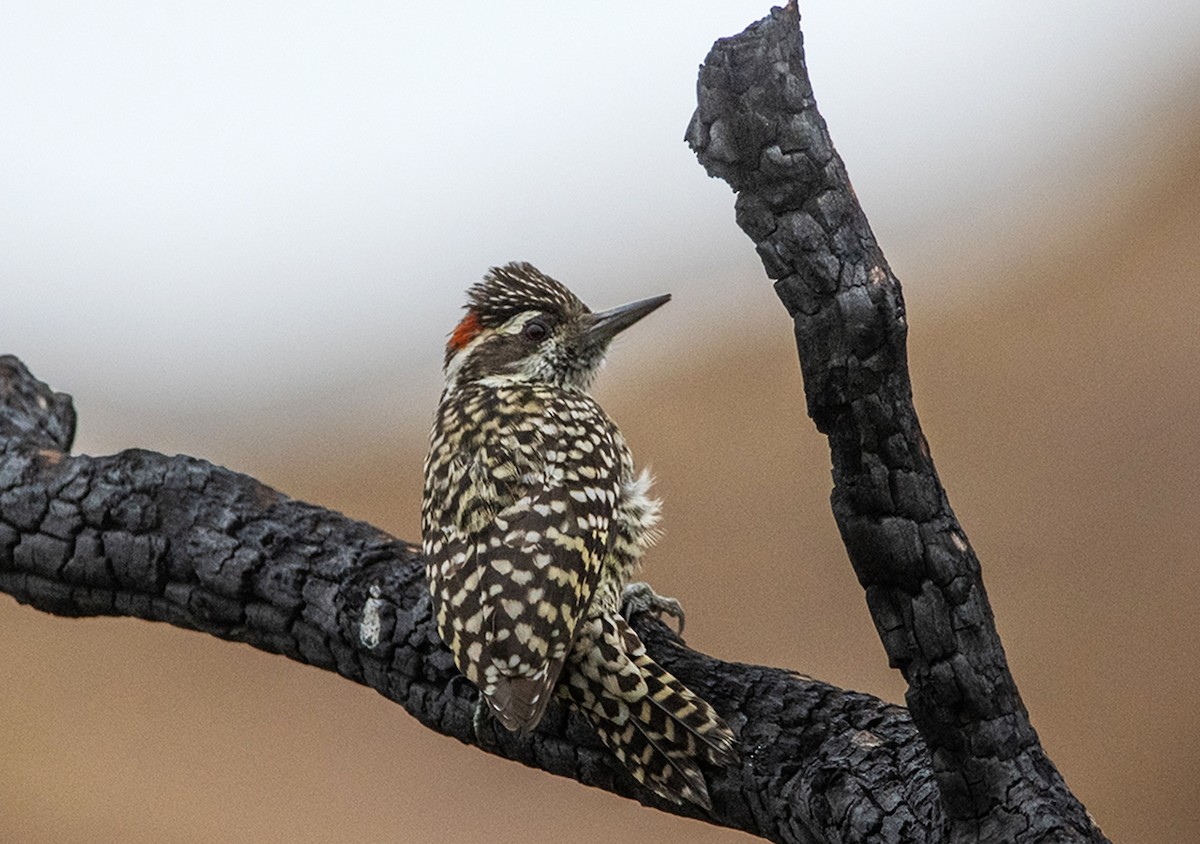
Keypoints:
pixel 179 540
pixel 758 128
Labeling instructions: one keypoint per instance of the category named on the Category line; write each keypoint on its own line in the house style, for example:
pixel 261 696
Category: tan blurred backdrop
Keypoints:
pixel 1061 408
pixel 1059 391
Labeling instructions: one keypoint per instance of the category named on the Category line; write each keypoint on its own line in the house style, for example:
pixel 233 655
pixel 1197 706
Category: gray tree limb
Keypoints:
pixel 758 128
pixel 179 540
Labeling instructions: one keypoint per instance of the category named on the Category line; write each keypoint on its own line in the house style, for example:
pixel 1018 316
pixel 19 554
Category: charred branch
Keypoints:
pixel 758 128
pixel 180 540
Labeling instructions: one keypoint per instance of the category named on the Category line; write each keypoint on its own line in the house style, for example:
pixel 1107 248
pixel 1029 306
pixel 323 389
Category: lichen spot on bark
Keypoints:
pixel 369 627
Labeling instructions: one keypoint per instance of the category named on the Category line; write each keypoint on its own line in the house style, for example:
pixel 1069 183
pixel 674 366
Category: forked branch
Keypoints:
pixel 758 128
pixel 180 540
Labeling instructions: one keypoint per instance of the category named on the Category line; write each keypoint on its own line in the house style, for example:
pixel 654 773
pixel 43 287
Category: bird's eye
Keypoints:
pixel 535 331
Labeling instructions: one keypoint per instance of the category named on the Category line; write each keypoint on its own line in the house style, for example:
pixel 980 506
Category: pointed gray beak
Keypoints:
pixel 608 324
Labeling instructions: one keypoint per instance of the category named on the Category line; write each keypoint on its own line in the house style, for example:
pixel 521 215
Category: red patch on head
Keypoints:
pixel 465 331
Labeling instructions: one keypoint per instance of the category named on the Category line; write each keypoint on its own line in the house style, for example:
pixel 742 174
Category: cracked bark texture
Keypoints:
pixel 757 127
pixel 179 540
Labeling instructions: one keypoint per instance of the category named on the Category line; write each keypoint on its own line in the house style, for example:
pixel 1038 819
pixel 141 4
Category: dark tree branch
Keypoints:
pixel 198 546
pixel 758 128
pixel 180 540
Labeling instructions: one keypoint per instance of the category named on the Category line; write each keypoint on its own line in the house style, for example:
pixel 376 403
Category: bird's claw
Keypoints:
pixel 640 597
pixel 482 724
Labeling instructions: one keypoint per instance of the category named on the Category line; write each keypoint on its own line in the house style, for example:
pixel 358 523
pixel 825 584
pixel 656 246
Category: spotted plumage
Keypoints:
pixel 534 521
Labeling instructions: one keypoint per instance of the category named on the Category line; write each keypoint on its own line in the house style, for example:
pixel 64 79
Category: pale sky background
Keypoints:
pixel 210 209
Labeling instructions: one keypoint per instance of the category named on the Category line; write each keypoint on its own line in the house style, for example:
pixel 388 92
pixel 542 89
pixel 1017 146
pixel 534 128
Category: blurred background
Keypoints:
pixel 242 231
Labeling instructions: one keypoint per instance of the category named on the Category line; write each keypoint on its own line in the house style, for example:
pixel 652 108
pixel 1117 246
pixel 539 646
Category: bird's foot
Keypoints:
pixel 640 597
pixel 483 725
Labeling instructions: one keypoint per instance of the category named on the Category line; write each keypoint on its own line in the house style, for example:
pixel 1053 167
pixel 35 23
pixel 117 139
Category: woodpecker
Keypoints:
pixel 533 523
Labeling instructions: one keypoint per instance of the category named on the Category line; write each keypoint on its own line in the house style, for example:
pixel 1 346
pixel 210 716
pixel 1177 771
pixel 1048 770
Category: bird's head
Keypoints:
pixel 522 325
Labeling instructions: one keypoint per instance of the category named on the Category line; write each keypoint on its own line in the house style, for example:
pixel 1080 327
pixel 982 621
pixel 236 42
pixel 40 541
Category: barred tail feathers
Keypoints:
pixel 658 728
pixel 690 711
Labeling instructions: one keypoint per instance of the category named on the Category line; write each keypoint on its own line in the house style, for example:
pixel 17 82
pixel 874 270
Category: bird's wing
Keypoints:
pixel 523 562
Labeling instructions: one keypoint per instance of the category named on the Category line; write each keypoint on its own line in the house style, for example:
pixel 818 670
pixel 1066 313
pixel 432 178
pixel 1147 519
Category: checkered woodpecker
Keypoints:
pixel 533 523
